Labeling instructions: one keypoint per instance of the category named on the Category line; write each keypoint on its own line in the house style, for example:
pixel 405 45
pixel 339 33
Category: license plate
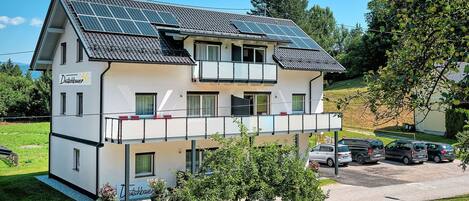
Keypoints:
pixel 378 155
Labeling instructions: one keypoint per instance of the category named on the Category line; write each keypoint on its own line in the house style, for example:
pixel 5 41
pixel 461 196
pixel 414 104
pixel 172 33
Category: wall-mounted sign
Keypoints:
pixel 82 78
pixel 137 191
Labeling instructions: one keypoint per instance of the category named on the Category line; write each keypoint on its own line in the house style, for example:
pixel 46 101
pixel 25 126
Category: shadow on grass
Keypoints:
pixel 27 187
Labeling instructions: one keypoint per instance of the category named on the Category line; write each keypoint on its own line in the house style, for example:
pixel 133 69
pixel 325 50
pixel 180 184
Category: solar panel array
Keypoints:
pixel 297 37
pixel 123 20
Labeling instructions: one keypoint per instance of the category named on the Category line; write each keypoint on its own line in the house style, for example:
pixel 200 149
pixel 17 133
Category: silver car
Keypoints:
pixel 324 153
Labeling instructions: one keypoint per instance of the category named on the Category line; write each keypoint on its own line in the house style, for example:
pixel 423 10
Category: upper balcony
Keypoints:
pixel 233 71
pixel 154 129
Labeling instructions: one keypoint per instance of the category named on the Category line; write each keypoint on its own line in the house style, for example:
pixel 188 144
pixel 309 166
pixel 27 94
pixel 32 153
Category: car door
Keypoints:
pixel 325 151
pixel 432 149
pixel 391 150
pixel 315 154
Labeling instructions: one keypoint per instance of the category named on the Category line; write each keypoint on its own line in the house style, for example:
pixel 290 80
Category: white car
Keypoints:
pixel 324 153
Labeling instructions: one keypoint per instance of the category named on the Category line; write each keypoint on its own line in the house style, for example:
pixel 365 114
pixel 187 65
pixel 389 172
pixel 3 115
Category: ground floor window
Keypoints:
pixel 144 164
pixel 76 159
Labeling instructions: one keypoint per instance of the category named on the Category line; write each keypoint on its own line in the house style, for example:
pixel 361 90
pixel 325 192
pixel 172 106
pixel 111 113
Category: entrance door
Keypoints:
pixel 259 103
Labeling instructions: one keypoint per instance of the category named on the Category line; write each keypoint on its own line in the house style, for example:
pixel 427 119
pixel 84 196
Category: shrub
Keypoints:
pixel 107 193
pixel 159 188
pixel 455 120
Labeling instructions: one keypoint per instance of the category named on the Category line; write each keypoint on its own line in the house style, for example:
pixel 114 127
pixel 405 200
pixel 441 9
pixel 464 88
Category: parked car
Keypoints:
pixel 365 150
pixel 408 151
pixel 439 152
pixel 324 153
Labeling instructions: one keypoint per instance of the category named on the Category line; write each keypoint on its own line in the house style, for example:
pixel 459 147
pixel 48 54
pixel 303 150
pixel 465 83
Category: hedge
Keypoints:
pixel 455 119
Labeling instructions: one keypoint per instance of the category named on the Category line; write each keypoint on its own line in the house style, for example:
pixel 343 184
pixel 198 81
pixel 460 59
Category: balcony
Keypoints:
pixel 141 130
pixel 232 71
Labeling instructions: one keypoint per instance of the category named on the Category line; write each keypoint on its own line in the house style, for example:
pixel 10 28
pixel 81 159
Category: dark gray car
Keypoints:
pixel 407 151
pixel 365 150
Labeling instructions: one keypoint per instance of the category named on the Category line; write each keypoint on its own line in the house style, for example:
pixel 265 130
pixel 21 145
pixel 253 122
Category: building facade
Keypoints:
pixel 139 88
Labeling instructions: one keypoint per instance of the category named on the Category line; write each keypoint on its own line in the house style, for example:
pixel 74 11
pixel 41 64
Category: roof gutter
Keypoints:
pixel 310 92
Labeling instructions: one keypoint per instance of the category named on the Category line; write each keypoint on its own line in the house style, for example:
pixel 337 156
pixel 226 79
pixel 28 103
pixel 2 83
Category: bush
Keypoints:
pixel 107 193
pixel 455 120
pixel 159 188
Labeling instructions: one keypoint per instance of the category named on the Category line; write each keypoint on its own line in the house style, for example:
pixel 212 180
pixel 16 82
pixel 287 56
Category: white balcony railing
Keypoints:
pixel 232 71
pixel 119 130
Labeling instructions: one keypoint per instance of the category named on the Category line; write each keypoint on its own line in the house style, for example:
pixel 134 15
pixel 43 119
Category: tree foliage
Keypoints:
pixel 240 170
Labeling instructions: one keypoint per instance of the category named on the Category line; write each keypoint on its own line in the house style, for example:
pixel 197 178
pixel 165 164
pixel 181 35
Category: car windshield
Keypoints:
pixel 376 144
pixel 419 146
pixel 448 147
pixel 343 149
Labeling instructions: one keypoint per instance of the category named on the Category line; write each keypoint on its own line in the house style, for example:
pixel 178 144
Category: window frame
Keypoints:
pixel 80 108
pixel 201 95
pixel 254 48
pixel 152 165
pixel 63 53
pixel 63 103
pixel 155 101
pixel 76 159
pixel 79 51
pixel 304 104
pixel 255 94
pixel 218 52
pixel 207 43
pixel 200 153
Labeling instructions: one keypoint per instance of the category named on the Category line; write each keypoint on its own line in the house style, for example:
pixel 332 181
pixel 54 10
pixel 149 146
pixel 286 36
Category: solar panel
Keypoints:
pixel 241 26
pixel 119 12
pixel 311 44
pixel 101 10
pixel 90 23
pixel 253 26
pixel 168 18
pixel 153 16
pixel 299 32
pixel 128 27
pixel 276 29
pixel 136 14
pixel 265 28
pixel 299 43
pixel 110 25
pixel 146 29
pixel 82 8
pixel 287 30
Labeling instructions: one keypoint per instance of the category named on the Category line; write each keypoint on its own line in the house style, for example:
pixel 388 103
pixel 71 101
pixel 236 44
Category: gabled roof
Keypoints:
pixel 192 22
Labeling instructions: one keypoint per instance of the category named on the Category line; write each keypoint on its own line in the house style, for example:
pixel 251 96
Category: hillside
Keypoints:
pixel 356 115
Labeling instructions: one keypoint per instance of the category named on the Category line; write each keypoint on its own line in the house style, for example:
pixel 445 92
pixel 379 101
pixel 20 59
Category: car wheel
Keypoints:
pixel 345 164
pixel 360 160
pixel 330 162
pixel 437 159
pixel 450 161
pixel 406 160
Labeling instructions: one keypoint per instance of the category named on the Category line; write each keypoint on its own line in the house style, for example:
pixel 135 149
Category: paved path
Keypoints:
pixel 428 190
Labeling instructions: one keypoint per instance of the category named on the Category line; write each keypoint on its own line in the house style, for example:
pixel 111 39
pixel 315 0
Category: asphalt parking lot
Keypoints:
pixel 387 173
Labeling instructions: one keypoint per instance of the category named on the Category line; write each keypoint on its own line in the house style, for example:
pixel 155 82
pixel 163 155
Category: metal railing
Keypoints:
pixel 141 130
pixel 234 71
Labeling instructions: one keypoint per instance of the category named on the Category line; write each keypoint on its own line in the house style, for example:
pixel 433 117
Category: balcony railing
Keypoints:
pixel 232 71
pixel 141 130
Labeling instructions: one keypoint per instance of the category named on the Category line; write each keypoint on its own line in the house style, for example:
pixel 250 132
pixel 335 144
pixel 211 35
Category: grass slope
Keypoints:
pixel 30 142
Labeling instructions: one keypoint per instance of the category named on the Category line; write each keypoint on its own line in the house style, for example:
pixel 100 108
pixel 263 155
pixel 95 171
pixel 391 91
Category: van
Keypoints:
pixel 324 153
pixel 407 151
pixel 365 150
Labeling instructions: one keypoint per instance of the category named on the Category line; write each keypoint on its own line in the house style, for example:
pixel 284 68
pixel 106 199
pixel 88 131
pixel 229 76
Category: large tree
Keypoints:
pixel 286 9
pixel 10 68
pixel 322 27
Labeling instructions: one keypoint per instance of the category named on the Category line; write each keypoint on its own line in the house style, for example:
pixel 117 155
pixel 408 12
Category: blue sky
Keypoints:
pixel 21 20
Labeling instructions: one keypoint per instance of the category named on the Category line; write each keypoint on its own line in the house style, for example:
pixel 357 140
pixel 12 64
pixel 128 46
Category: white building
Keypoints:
pixel 434 122
pixel 153 82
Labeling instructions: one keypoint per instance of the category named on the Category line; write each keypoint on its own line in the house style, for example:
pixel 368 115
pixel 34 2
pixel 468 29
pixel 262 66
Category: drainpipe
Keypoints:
pixel 310 92
pixel 99 145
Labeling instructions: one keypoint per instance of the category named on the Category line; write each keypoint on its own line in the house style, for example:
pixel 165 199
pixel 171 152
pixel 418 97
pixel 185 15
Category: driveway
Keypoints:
pixel 391 180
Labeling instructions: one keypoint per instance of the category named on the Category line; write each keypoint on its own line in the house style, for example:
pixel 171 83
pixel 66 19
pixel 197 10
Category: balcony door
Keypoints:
pixel 200 104
pixel 254 54
pixel 259 103
pixel 205 51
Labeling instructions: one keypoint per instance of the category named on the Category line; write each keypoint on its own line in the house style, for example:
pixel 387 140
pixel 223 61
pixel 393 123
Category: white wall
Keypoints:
pixel 62 163
pixel 169 157
pixel 86 127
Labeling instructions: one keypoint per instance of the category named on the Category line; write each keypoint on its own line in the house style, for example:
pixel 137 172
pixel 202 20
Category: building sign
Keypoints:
pixel 82 78
pixel 137 191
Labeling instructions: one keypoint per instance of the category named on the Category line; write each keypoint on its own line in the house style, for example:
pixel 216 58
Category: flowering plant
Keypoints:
pixel 314 165
pixel 158 186
pixel 107 193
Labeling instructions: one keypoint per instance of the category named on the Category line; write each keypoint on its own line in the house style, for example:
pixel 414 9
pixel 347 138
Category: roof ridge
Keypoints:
pixel 195 8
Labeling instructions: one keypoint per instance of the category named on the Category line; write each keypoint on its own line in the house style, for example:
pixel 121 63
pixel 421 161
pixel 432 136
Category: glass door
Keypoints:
pixel 259 104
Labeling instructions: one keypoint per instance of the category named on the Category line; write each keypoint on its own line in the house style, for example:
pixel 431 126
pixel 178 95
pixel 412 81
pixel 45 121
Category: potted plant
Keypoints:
pixel 107 193
pixel 159 189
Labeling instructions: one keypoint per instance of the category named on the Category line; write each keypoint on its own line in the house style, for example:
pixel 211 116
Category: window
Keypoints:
pixel 145 104
pixel 63 103
pixel 63 56
pixel 254 54
pixel 259 104
pixel 200 154
pixel 144 164
pixel 79 51
pixel 298 103
pixel 76 159
pixel 79 104
pixel 207 51
pixel 201 104
pixel 326 149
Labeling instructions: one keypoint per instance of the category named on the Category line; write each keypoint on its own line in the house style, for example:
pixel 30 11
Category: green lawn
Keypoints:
pixel 458 198
pixel 327 181
pixel 30 142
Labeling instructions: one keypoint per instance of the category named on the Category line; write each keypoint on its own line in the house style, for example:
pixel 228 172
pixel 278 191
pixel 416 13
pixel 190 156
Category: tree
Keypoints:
pixel 40 95
pixel 240 170
pixel 14 95
pixel 10 68
pixel 322 26
pixel 294 10
pixel 463 145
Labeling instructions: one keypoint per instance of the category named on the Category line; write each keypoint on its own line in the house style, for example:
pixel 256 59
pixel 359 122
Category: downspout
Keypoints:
pixel 99 145
pixel 51 117
pixel 310 92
